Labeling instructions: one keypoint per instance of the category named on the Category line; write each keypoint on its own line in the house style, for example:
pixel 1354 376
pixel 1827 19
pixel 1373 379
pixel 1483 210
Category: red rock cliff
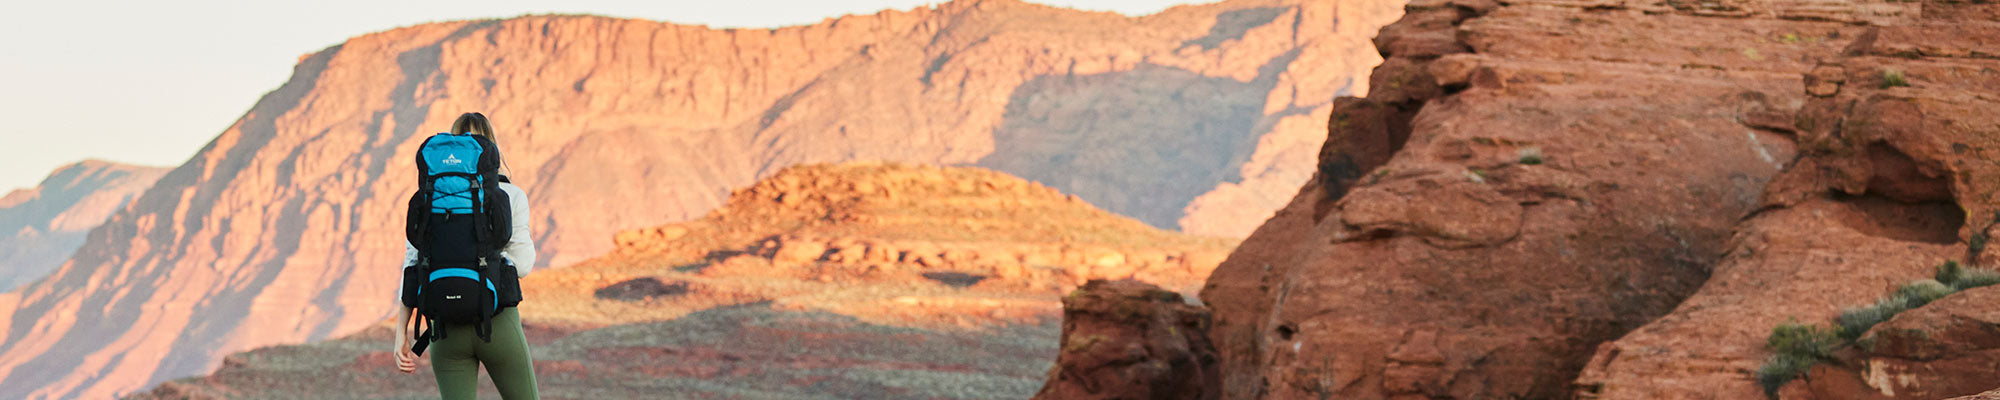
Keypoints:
pixel 1895 177
pixel 282 229
pixel 1525 181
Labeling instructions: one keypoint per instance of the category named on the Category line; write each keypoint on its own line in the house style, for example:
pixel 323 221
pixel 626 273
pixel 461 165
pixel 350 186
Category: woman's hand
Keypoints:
pixel 406 360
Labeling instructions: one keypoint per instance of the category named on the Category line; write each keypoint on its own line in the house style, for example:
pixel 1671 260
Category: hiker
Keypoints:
pixel 468 246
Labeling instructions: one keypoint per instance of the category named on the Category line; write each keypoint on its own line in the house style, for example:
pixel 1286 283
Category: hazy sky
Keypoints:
pixel 151 82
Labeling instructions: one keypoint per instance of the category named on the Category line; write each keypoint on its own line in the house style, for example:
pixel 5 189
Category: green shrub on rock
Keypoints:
pixel 1854 322
pixel 1923 292
pixel 1796 347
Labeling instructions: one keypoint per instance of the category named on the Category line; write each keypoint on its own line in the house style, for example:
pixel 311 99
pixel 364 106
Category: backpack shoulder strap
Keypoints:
pixel 416 226
pixel 493 221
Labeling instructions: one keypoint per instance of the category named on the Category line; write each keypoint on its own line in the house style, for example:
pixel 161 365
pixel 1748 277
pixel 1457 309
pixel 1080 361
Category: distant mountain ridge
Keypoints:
pixel 285 227
pixel 44 224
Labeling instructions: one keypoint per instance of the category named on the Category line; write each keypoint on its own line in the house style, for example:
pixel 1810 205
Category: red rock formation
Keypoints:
pixel 1802 263
pixel 275 232
pixel 1989 395
pixel 1945 349
pixel 891 244
pixel 1891 183
pixel 1131 340
pixel 50 221
pixel 1525 181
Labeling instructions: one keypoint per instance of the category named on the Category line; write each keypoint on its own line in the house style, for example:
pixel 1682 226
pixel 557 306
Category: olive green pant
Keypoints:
pixel 456 359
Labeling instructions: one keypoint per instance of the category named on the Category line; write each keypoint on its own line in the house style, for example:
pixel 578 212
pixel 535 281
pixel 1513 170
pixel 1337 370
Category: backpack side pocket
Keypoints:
pixel 507 281
pixel 413 280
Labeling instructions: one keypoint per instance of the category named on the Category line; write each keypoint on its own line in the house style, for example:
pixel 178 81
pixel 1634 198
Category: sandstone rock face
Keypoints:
pixel 1130 340
pixel 284 227
pixel 1945 349
pixel 47 223
pixel 892 244
pixel 1803 263
pixel 1890 182
pixel 1525 181
pixel 1989 395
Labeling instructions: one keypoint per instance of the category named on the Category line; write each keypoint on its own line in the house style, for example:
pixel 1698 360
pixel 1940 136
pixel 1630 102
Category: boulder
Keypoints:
pixel 1132 340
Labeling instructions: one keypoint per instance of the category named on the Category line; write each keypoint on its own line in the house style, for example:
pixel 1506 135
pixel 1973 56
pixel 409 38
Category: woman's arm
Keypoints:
pixel 406 360
pixel 409 259
pixel 521 247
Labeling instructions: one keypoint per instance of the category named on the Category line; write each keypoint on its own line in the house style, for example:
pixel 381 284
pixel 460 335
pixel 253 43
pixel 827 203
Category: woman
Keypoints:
pixel 457 356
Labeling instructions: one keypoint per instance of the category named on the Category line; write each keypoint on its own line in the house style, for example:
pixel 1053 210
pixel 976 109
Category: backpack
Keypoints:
pixel 458 220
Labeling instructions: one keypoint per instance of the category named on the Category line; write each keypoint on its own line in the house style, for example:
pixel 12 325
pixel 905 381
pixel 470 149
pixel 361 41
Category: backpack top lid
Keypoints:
pixel 452 153
pixel 454 167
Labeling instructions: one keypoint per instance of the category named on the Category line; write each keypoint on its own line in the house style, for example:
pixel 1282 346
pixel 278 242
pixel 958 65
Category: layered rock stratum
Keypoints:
pixel 46 223
pixel 859 237
pixel 280 230
pixel 1621 199
pixel 860 280
pixel 1525 181
pixel 1894 179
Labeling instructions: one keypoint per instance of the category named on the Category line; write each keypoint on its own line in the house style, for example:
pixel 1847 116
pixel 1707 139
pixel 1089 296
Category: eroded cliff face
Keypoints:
pixel 46 223
pixel 1894 178
pixel 281 229
pixel 1525 181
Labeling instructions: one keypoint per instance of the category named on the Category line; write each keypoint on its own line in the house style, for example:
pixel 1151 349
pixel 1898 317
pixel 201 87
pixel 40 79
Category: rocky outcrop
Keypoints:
pixel 1525 181
pixel 903 245
pixel 279 230
pixel 48 222
pixel 1890 183
pixel 1801 263
pixel 1989 395
pixel 1131 340
pixel 1945 349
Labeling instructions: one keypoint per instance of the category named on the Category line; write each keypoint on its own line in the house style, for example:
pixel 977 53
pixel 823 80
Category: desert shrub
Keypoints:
pixel 1978 241
pixel 1894 78
pixel 1531 156
pixel 1779 370
pixel 1854 322
pixel 1976 277
pixel 1923 292
pixel 1803 340
pixel 1475 175
pixel 1797 347
pixel 1948 272
pixel 1961 278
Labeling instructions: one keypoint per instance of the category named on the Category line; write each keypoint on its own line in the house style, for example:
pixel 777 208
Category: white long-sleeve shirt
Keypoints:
pixel 520 249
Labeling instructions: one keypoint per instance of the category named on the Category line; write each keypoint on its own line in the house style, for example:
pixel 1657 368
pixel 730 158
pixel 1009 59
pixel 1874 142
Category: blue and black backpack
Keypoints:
pixel 459 220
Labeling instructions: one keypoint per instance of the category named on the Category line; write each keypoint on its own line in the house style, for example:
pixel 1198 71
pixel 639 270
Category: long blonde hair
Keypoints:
pixel 476 123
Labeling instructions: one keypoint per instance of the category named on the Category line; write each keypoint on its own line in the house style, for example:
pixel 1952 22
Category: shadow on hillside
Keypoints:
pixel 1232 25
pixel 1091 135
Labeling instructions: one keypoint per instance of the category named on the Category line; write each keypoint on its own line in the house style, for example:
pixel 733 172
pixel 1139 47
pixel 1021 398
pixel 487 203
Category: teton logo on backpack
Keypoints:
pixel 458 220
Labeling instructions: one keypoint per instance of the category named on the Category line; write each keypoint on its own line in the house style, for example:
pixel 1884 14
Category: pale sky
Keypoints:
pixel 151 82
